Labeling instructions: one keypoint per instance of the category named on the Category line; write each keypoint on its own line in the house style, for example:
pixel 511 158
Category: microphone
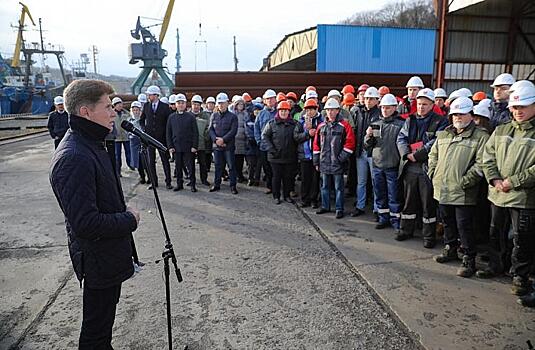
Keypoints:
pixel 146 138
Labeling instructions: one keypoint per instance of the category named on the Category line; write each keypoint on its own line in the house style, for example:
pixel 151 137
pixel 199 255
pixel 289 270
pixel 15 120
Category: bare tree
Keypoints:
pixel 413 14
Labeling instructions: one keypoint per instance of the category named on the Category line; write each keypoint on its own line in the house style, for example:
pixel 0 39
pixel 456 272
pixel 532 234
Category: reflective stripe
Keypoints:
pixel 348 150
pixel 408 216
pixel 429 221
pixel 317 152
pixel 396 215
pixel 383 211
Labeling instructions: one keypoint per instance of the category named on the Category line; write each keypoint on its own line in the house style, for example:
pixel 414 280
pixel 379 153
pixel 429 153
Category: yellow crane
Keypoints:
pixel 15 62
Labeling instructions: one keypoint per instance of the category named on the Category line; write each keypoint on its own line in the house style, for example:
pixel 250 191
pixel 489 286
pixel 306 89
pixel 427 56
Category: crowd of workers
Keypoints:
pixel 462 164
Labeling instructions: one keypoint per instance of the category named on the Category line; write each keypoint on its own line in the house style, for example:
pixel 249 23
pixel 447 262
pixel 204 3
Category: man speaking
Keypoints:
pixel 99 224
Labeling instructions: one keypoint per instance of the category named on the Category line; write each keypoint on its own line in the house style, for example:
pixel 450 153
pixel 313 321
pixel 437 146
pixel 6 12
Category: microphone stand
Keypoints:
pixel 168 253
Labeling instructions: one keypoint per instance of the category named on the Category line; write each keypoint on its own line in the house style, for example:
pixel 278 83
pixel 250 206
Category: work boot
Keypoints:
pixel 430 243
pixel 468 267
pixel 494 268
pixel 521 286
pixel 527 300
pixel 402 236
pixel 449 253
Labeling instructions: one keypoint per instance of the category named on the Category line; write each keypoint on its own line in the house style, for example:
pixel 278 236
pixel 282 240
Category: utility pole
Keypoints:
pixel 235 57
pixel 41 35
pixel 177 56
pixel 94 50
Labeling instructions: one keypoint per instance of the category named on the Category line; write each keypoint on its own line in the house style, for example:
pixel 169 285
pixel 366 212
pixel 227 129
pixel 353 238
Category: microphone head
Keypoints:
pixel 125 124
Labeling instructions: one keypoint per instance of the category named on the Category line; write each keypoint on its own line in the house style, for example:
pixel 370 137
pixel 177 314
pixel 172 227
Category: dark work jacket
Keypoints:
pixel 282 137
pixel 384 149
pixel 182 132
pixel 499 113
pixel 99 229
pixel 363 119
pixel 155 123
pixel 304 151
pixel 334 143
pixel 58 124
pixel 251 147
pixel 224 125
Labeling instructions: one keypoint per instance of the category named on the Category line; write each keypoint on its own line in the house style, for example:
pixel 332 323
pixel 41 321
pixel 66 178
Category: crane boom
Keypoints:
pixel 166 20
pixel 15 62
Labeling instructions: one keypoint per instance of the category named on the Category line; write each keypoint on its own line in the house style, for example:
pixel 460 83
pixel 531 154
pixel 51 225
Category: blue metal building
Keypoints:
pixel 356 49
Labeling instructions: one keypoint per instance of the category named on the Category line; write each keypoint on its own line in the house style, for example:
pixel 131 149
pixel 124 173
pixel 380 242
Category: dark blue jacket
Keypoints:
pixel 182 132
pixel 260 123
pixel 499 113
pixel 251 147
pixel 99 229
pixel 224 125
pixel 304 152
pixel 58 124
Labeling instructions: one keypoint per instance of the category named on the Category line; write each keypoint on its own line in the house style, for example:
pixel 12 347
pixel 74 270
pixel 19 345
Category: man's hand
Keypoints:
pixel 410 157
pixel 193 150
pixel 498 185
pixel 369 131
pixel 171 150
pixel 134 212
pixel 219 141
pixel 308 125
pixel 318 168
pixel 506 185
pixel 312 132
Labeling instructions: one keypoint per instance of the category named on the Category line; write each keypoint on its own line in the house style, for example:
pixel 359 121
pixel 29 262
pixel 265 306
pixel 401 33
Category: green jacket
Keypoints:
pixel 204 138
pixel 510 153
pixel 455 165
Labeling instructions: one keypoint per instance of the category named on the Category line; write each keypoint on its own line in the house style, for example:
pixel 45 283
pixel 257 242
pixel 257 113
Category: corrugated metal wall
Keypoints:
pixel 343 48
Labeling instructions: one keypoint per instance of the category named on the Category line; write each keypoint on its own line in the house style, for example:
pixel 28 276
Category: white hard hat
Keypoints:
pixel 388 100
pixel 172 99
pixel 465 92
pixel 136 104
pixel 221 97
pixel 482 109
pixel 164 100
pixel 461 105
pixel 311 94
pixel 180 97
pixel 524 96
pixel 210 99
pixel 440 92
pixel 427 93
pixel 503 79
pixel 372 92
pixel 142 98
pixel 153 90
pixel 458 93
pixel 415 81
pixel 485 102
pixel 334 93
pixel 196 98
pixel 58 100
pixel 519 84
pixel 269 94
pixel 332 103
pixel 236 98
pixel 116 100
pixel 258 100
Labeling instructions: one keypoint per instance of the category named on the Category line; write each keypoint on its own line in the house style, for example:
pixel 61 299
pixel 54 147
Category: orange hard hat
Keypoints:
pixel 349 99
pixel 284 105
pixel 478 96
pixel 311 103
pixel 363 87
pixel 281 97
pixel 310 88
pixel 292 95
pixel 348 89
pixel 383 90
pixel 246 97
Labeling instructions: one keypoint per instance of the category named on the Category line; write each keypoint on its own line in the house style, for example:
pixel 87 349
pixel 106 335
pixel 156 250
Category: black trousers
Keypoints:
pixel 352 175
pixel 458 225
pixel 203 168
pixel 184 160
pixel 523 224
pixel 263 163
pixel 239 159
pixel 418 194
pixel 251 166
pixel 56 143
pixel 310 182
pixel 282 173
pixel 99 306
pixel 164 157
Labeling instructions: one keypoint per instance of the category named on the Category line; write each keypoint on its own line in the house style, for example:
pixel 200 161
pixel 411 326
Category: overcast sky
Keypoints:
pixel 258 28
